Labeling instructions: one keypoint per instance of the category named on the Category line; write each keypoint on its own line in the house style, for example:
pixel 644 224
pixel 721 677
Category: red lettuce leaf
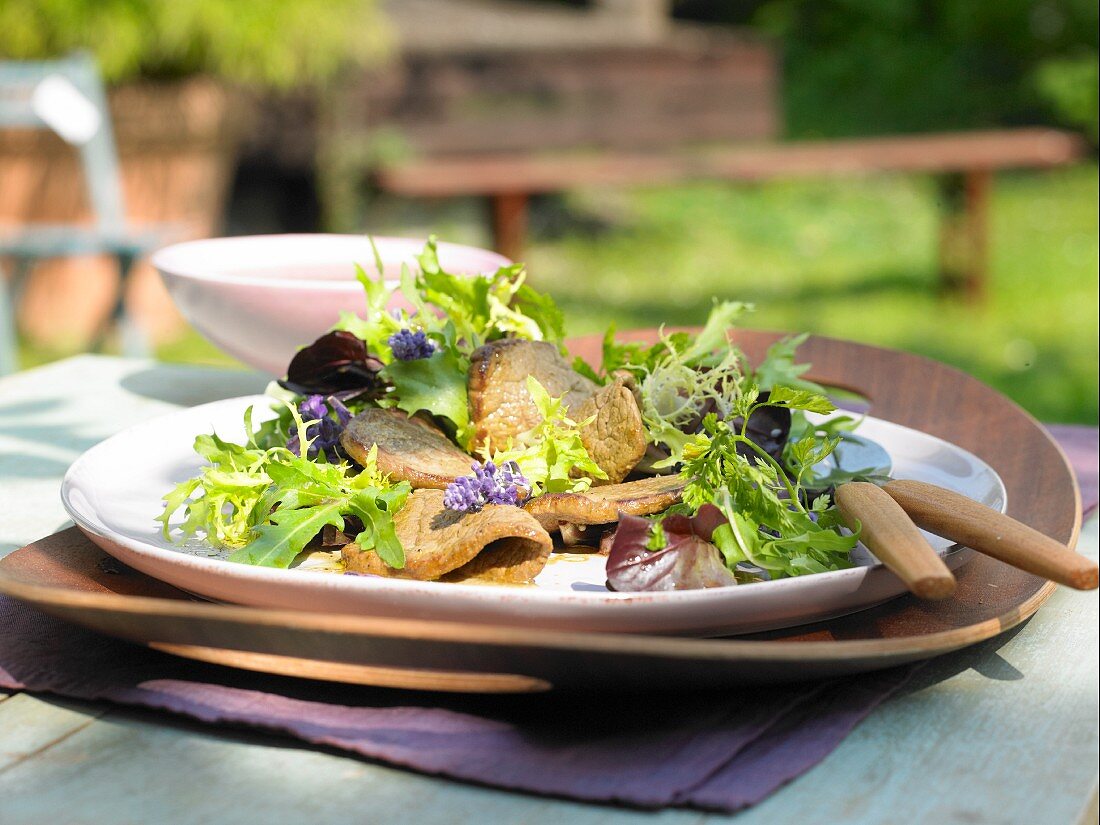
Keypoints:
pixel 688 560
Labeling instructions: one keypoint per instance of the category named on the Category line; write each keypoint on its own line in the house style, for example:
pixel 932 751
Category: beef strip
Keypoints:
pixel 602 505
pixel 443 543
pixel 409 449
pixel 505 561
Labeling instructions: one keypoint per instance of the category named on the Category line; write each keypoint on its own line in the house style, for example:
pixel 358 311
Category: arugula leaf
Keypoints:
pixel 267 503
pixel 286 533
pixel 375 512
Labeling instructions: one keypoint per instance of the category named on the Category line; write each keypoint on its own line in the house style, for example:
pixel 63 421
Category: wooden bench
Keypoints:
pixel 965 163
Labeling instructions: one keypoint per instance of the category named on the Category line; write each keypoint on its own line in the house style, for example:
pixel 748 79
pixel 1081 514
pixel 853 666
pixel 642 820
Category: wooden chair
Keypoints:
pixel 67 97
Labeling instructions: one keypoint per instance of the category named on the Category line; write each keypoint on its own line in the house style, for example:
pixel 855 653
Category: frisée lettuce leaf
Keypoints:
pixel 265 504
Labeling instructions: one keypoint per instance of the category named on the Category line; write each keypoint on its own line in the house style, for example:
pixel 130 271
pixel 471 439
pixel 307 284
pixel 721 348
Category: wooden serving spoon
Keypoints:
pixel 894 539
pixel 965 521
pixel 891 515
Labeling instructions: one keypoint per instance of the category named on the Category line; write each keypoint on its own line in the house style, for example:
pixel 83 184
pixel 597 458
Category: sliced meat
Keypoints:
pixel 602 505
pixel 631 383
pixel 409 449
pixel 615 438
pixel 507 561
pixel 500 406
pixel 439 541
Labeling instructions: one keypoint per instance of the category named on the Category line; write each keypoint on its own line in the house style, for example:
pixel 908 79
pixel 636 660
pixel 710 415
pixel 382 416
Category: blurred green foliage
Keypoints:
pixel 264 42
pixel 880 66
pixel 854 67
pixel 1070 84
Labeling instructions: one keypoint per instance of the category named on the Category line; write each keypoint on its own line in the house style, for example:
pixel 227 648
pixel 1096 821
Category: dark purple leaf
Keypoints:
pixel 688 561
pixel 336 362
pixel 769 428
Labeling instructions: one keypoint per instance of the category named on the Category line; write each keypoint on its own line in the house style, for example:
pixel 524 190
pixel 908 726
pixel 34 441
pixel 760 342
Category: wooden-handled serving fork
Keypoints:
pixel 891 515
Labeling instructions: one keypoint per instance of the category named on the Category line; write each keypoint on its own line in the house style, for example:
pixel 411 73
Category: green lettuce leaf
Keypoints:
pixel 437 385
pixel 267 503
pixel 285 534
pixel 779 368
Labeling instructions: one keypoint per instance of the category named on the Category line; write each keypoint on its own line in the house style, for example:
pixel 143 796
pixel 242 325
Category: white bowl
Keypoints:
pixel 261 298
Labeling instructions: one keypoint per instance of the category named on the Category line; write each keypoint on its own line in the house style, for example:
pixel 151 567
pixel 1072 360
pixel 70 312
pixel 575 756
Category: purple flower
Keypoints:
pixel 488 484
pixel 410 346
pixel 326 419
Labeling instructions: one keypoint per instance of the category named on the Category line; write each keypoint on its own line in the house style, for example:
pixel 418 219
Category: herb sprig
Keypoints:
pixel 772 522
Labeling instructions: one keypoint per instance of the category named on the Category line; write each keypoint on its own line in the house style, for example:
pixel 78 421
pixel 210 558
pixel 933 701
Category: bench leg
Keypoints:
pixel 964 249
pixel 508 215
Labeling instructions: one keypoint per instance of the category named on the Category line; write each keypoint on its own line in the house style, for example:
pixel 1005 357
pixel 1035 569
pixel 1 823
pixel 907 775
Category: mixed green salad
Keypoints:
pixel 750 502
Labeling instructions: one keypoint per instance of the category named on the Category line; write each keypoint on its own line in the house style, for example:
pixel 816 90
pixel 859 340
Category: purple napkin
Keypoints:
pixel 1082 447
pixel 719 751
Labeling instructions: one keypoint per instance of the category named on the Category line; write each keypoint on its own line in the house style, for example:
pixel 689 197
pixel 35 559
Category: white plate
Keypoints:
pixel 113 493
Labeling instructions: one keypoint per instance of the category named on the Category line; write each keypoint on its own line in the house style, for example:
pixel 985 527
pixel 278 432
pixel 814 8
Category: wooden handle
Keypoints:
pixel 895 540
pixel 963 520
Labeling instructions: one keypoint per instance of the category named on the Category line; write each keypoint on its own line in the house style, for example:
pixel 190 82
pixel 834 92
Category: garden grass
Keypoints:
pixel 850 257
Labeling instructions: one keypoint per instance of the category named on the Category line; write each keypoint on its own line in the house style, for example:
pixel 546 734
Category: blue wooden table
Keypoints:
pixel 1006 732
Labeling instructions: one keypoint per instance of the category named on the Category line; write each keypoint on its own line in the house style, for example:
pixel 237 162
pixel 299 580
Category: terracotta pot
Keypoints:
pixel 177 146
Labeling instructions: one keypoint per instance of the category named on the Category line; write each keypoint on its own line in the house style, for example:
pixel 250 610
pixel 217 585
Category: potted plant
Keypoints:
pixel 180 75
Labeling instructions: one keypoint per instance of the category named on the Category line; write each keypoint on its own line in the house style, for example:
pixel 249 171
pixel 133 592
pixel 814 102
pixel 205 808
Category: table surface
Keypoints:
pixel 1003 732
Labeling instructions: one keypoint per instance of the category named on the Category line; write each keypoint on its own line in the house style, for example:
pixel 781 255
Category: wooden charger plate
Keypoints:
pixel 65 575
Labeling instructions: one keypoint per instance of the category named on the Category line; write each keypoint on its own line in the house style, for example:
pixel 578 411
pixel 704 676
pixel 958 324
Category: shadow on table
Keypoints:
pixel 188 386
pixel 22 465
pixel 983 658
